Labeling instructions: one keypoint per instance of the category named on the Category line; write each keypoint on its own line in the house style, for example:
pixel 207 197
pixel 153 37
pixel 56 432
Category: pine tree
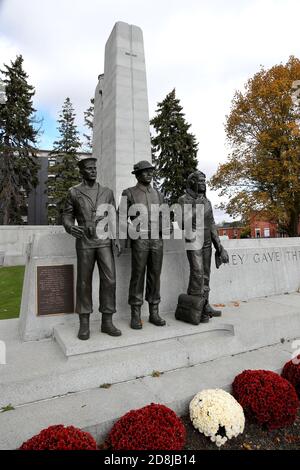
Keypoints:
pixel 63 170
pixel 174 148
pixel 88 122
pixel 18 138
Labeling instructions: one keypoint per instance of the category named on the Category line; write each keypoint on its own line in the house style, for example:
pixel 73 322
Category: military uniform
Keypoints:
pixel 200 259
pixel 146 244
pixel 147 253
pixel 81 204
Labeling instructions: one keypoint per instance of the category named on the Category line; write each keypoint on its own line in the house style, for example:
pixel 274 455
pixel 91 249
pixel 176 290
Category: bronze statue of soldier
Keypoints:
pixel 200 258
pixel 146 252
pixel 81 205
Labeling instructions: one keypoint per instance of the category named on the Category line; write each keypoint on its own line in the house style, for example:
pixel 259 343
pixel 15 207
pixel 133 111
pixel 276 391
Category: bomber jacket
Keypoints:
pixel 210 230
pixel 80 206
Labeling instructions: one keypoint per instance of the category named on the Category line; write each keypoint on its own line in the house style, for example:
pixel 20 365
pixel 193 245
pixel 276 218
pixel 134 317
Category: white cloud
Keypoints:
pixel 206 49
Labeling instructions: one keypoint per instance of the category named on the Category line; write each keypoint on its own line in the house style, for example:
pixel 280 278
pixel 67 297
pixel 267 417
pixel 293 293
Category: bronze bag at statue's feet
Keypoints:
pixel 190 309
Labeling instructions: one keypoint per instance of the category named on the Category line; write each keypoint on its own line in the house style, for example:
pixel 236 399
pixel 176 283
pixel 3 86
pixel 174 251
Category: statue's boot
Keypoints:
pixel 154 316
pixel 108 327
pixel 84 328
pixel 211 311
pixel 205 317
pixel 136 323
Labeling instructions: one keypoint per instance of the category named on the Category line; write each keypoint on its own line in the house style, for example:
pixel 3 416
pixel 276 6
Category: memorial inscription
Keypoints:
pixel 55 289
pixel 236 259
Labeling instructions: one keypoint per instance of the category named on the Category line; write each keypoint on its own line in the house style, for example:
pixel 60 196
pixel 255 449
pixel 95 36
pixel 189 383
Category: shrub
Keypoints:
pixel 266 397
pixel 59 437
pixel 153 427
pixel 217 414
pixel 291 372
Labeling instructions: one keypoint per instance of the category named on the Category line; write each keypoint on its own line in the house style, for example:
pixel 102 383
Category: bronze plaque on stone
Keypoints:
pixel 55 289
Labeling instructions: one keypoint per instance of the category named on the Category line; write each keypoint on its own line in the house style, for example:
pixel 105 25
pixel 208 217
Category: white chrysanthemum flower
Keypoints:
pixel 217 415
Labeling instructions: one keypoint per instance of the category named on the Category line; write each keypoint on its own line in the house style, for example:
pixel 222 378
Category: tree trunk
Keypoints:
pixel 293 224
pixel 6 215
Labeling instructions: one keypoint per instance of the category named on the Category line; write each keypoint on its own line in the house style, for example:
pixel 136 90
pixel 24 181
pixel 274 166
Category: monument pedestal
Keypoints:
pixel 173 332
pixel 256 268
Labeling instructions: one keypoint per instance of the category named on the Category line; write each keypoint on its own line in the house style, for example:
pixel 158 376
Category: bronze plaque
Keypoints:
pixel 55 289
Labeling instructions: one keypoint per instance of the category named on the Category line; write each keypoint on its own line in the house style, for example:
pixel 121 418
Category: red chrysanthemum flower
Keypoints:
pixel 267 397
pixel 291 372
pixel 59 437
pixel 153 427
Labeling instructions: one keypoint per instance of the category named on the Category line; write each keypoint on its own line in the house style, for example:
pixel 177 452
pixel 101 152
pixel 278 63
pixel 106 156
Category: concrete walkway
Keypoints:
pixel 47 387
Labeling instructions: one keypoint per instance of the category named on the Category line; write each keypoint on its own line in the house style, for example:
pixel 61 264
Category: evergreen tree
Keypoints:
pixel 88 122
pixel 18 138
pixel 63 170
pixel 174 148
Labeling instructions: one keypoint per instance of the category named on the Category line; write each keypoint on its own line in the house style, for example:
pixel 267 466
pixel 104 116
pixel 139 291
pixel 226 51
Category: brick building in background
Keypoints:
pixel 262 228
pixel 258 227
pixel 231 230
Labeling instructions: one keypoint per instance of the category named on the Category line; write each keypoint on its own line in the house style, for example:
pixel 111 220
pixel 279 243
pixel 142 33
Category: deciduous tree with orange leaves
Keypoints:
pixel 262 172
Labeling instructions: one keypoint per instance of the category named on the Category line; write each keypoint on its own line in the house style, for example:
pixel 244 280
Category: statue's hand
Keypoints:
pixel 224 255
pixel 118 247
pixel 77 231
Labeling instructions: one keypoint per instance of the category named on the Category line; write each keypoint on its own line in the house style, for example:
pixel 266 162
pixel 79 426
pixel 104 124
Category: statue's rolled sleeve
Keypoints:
pixel 68 217
pixel 179 215
pixel 214 232
pixel 122 215
pixel 215 239
pixel 113 221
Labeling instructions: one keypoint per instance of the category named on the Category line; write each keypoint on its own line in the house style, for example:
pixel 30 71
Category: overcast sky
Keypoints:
pixel 206 49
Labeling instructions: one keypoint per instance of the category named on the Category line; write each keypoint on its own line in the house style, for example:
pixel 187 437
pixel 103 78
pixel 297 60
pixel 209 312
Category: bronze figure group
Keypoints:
pixel 146 250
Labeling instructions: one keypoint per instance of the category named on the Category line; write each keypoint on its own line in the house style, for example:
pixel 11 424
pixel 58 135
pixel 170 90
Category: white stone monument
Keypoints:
pixel 121 135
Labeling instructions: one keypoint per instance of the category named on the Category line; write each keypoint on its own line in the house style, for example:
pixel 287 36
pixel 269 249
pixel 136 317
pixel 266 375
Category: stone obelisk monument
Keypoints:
pixel 121 135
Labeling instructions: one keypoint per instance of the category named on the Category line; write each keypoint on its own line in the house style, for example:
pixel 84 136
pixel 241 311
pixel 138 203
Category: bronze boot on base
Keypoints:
pixel 84 328
pixel 108 327
pixel 154 315
pixel 205 317
pixel 209 310
pixel 136 323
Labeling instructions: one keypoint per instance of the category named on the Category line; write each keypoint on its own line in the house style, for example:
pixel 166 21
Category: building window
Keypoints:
pixel 257 233
pixel 267 232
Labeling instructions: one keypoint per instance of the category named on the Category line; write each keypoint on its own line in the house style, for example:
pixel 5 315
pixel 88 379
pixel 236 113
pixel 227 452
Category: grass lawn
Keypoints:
pixel 11 283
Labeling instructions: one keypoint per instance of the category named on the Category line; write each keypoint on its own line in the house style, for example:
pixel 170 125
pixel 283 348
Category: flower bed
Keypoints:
pixel 59 437
pixel 216 414
pixel 153 427
pixel 266 397
pixel 291 372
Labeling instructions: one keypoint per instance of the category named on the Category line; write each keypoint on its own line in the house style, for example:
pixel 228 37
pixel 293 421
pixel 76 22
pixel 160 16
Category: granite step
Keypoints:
pixel 97 409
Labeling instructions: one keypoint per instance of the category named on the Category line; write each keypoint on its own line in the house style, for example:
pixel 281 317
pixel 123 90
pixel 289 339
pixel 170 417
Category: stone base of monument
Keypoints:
pixel 51 377
pixel 49 383
pixel 175 333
